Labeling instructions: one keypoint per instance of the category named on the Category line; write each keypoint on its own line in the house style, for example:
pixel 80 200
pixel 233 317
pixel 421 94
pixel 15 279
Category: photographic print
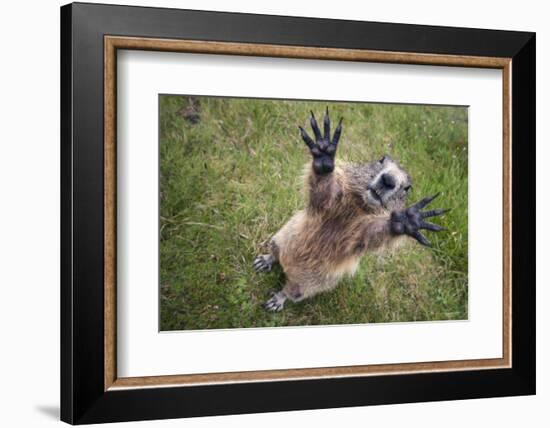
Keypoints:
pixel 300 213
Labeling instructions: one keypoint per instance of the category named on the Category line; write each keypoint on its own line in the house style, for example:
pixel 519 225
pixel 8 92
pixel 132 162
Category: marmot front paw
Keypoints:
pixel 323 149
pixel 411 220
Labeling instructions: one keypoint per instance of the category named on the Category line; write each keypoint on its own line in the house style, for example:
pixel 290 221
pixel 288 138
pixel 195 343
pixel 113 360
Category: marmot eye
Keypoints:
pixel 407 188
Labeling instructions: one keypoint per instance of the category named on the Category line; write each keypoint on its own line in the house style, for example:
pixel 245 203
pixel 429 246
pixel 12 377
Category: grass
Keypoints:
pixel 231 180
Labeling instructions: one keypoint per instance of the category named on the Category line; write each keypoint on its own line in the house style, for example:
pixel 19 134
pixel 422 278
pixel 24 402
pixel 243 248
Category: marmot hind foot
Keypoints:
pixel 263 263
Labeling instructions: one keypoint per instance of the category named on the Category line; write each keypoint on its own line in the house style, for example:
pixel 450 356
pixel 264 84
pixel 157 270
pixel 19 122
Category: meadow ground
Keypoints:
pixel 231 177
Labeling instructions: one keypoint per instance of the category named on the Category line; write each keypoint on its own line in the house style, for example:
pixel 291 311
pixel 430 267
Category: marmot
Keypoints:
pixel 352 209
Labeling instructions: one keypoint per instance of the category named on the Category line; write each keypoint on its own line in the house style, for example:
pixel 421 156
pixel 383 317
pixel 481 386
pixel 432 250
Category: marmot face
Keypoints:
pixel 380 186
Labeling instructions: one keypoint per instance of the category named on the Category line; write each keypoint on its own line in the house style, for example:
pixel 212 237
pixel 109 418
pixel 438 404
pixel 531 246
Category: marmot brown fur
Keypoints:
pixel 352 209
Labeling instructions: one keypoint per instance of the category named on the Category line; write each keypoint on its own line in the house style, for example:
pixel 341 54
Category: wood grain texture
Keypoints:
pixel 112 43
pixel 227 48
pixel 295 374
pixel 507 213
pixel 109 196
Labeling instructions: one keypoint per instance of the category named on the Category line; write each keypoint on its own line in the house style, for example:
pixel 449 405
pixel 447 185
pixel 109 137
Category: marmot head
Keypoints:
pixel 379 186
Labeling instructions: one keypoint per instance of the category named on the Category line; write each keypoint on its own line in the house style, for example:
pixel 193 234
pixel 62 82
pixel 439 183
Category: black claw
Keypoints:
pixel 326 124
pixel 433 213
pixel 421 204
pixel 337 133
pixel 307 139
pixel 315 127
pixel 421 239
pixel 432 227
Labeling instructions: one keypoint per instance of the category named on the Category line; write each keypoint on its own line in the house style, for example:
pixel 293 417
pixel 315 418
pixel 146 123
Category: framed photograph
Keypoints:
pixel 266 213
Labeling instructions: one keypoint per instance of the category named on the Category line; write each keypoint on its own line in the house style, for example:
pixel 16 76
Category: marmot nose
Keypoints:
pixel 388 180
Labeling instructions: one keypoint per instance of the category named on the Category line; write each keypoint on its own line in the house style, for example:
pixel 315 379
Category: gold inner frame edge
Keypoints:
pixel 113 43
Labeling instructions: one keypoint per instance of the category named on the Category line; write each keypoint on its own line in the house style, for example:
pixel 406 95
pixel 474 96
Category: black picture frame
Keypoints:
pixel 83 398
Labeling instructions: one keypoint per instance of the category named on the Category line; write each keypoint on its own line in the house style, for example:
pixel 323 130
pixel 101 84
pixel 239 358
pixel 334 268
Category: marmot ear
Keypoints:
pixel 385 158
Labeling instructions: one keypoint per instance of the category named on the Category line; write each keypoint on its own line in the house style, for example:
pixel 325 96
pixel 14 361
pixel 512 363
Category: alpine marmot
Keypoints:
pixel 352 209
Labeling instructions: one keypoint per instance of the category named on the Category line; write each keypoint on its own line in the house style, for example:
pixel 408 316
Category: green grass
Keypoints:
pixel 229 182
